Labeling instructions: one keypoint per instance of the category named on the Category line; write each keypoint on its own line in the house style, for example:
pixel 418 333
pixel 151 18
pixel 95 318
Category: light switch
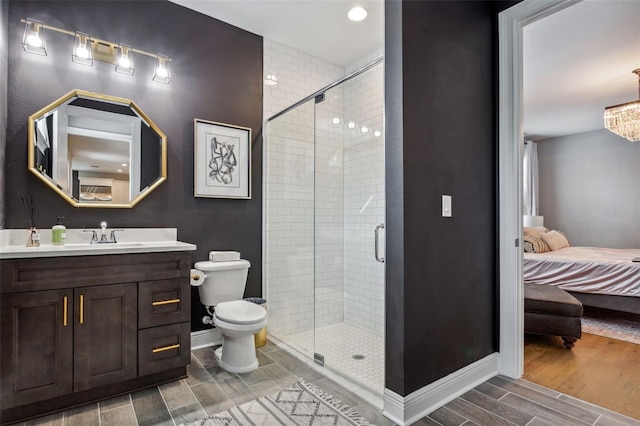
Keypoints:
pixel 446 206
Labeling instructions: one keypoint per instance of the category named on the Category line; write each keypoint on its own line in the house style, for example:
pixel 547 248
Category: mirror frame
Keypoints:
pixel 75 94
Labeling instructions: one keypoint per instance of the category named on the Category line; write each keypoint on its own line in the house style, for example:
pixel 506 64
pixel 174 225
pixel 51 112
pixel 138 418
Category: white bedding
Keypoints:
pixel 586 270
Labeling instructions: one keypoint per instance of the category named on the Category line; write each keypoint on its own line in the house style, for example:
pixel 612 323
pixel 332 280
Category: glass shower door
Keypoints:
pixel 288 227
pixel 349 203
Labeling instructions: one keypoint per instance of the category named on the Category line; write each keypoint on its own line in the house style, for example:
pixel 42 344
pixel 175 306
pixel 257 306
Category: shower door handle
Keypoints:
pixel 377 254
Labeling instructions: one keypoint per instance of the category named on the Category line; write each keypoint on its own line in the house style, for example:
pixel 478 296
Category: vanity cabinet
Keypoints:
pixel 78 329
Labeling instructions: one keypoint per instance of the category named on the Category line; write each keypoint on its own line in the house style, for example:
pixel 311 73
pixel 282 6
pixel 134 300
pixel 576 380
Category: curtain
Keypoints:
pixel 530 179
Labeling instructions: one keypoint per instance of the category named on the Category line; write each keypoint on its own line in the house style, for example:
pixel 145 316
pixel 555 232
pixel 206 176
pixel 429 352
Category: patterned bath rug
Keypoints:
pixel 299 404
pixel 613 324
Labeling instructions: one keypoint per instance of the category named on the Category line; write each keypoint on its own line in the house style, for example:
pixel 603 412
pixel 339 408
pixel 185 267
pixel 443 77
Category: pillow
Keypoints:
pixel 527 246
pixel 538 246
pixel 535 231
pixel 555 240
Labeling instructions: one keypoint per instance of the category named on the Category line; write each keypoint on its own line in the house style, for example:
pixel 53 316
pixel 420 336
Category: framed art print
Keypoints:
pixel 222 160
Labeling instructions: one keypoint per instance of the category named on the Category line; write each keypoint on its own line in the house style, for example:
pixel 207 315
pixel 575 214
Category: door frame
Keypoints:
pixel 510 144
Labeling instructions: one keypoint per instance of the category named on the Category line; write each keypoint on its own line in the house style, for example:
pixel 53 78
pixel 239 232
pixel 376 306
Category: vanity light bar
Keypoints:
pixel 118 54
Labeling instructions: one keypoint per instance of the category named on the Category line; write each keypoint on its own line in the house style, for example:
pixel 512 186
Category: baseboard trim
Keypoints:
pixel 409 409
pixel 205 338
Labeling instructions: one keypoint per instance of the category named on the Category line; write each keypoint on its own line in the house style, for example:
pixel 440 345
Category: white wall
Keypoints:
pixel 589 188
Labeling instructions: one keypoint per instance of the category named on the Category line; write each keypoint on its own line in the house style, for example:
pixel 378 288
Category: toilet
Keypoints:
pixel 221 285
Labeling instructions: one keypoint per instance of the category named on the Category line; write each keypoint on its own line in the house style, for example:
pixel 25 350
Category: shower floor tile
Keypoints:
pixel 353 352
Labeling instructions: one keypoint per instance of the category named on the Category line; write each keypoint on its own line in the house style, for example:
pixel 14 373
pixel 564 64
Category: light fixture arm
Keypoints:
pixel 637 72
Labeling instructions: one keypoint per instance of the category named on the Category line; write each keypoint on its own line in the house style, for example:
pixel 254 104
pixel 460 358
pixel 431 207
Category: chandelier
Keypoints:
pixel 624 119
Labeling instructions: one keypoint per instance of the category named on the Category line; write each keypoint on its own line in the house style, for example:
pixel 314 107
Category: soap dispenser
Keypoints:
pixel 58 233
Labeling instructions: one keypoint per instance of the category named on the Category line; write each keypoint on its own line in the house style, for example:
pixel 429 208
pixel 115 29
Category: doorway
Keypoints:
pixel 511 133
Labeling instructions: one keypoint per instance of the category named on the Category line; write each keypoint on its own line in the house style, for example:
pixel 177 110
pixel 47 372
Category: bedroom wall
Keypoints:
pixel 217 76
pixel 589 188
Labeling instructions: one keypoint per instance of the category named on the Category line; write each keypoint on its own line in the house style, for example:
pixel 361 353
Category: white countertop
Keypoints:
pixel 130 240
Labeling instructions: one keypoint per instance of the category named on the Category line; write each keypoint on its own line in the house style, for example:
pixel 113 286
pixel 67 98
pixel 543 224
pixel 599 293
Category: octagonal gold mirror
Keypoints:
pixel 97 150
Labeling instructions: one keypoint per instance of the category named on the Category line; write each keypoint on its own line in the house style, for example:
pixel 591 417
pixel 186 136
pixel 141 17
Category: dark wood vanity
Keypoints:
pixel 77 329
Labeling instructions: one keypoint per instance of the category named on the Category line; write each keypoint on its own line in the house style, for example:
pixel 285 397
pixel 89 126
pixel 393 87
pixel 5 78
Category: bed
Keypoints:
pixel 600 277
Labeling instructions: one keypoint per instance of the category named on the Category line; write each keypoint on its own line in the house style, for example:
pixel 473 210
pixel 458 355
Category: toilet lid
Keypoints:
pixel 209 266
pixel 240 312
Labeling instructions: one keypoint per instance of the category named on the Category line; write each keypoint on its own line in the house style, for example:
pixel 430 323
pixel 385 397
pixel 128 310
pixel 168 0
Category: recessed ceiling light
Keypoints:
pixel 357 13
pixel 124 164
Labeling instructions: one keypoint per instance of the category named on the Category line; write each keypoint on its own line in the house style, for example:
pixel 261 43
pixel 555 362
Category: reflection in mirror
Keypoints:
pixel 97 150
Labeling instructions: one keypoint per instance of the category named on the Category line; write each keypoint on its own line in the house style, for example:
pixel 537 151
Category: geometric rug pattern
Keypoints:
pixel 613 324
pixel 299 404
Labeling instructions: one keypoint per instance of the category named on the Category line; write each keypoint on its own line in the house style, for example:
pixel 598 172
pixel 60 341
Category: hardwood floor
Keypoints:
pixel 602 371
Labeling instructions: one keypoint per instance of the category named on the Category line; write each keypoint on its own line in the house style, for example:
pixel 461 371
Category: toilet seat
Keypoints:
pixel 240 312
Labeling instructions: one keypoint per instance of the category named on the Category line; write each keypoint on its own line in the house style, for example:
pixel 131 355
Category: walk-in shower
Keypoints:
pixel 324 233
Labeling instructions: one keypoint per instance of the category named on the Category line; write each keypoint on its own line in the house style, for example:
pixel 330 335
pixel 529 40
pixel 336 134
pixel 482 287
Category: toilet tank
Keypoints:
pixel 224 282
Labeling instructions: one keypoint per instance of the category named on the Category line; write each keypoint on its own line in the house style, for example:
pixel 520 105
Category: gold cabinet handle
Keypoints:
pixel 165 348
pixel 81 309
pixel 64 311
pixel 165 302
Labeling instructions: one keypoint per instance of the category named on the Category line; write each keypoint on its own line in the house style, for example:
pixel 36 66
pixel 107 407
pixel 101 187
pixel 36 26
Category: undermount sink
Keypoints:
pixel 103 246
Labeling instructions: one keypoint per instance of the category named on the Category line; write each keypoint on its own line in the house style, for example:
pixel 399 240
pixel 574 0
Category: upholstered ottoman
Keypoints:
pixel 551 310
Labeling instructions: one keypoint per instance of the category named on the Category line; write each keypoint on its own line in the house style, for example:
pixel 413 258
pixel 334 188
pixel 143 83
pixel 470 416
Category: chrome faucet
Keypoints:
pixel 103 225
pixel 103 237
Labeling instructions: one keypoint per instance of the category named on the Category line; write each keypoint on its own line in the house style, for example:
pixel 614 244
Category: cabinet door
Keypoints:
pixel 37 346
pixel 105 339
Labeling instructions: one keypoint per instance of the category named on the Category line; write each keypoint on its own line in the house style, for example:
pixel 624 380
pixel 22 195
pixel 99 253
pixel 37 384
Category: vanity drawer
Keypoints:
pixel 163 348
pixel 163 302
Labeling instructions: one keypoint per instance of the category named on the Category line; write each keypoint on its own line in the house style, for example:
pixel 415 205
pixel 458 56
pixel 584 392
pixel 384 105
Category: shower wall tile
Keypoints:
pixel 364 202
pixel 348 202
pixel 299 75
pixel 290 199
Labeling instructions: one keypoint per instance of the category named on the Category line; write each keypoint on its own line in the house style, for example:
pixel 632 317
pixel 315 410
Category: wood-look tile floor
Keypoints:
pixel 209 389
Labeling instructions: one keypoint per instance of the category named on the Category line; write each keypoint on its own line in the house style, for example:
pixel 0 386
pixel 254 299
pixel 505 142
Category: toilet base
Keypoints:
pixel 240 352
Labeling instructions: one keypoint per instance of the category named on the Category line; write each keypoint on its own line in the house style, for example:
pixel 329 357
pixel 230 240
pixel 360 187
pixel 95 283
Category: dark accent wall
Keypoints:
pixel 217 76
pixel 441 139
pixel 4 16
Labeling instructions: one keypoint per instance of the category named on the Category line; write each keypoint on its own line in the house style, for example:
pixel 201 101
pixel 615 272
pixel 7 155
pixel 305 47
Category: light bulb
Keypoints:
pixel 351 125
pixel 34 40
pixel 377 133
pixel 82 51
pixel 124 62
pixel 335 120
pixel 161 72
pixel 364 129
